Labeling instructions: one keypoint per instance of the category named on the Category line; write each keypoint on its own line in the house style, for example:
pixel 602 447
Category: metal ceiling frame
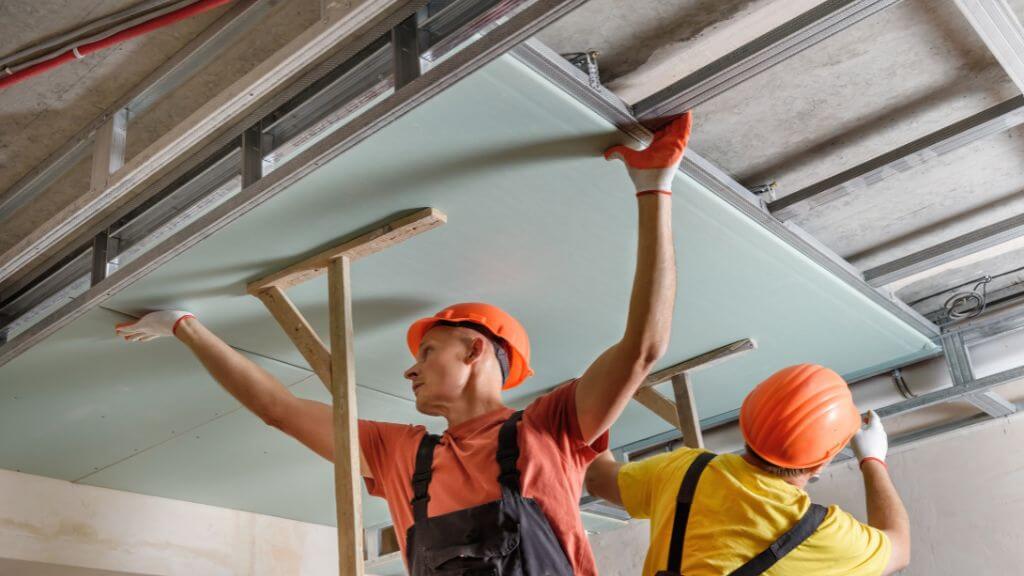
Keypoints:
pixel 342 84
pixel 994 120
pixel 514 32
pixel 1002 33
pixel 195 55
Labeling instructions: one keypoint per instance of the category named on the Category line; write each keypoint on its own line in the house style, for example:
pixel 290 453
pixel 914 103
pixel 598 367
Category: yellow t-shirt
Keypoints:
pixel 738 511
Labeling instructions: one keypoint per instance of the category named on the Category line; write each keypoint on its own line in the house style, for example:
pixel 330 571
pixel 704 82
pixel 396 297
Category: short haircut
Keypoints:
pixel 774 468
pixel 500 347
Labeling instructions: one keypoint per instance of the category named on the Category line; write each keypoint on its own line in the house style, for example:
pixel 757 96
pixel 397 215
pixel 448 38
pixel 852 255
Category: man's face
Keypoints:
pixel 442 368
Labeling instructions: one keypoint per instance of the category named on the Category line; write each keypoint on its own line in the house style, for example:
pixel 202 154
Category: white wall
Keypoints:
pixel 59 524
pixel 965 495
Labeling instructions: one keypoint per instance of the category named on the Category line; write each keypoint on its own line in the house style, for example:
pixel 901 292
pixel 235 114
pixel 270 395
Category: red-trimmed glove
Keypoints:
pixel 871 441
pixel 653 168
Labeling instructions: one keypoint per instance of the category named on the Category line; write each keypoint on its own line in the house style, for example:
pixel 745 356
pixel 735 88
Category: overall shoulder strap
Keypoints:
pixel 683 501
pixel 421 476
pixel 508 452
pixel 786 543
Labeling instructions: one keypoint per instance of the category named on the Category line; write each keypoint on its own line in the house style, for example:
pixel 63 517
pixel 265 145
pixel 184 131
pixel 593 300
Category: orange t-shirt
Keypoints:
pixel 553 459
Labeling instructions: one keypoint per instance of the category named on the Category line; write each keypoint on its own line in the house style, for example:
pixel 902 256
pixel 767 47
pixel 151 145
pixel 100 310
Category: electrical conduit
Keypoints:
pixel 83 50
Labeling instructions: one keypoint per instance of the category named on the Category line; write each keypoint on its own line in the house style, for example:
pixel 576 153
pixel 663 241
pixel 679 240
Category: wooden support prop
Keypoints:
pixel 347 494
pixel 655 402
pixel 372 242
pixel 686 410
pixel 299 331
pixel 683 412
pixel 336 368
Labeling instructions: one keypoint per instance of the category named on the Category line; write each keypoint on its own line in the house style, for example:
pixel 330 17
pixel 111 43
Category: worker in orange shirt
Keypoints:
pixel 747 514
pixel 498 492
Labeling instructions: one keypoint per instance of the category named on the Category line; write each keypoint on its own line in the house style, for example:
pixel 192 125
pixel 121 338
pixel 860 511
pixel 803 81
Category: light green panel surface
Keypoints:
pixel 238 462
pixel 85 399
pixel 539 223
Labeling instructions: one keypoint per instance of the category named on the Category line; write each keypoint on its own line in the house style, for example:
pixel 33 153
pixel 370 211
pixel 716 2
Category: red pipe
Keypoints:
pixel 127 34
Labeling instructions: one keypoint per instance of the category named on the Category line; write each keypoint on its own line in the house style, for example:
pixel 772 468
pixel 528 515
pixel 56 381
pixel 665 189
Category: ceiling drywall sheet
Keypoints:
pixel 84 399
pixel 538 223
pixel 239 462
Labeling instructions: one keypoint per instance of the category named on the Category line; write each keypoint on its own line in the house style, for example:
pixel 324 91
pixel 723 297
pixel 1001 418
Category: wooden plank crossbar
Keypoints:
pixel 682 413
pixel 336 367
pixel 381 237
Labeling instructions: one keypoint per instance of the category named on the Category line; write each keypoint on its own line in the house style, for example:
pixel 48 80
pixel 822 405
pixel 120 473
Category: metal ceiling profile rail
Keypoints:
pixel 755 57
pixel 518 27
pixel 994 120
pixel 997 234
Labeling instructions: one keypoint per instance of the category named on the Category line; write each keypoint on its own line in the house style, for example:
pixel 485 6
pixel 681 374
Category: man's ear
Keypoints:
pixel 476 349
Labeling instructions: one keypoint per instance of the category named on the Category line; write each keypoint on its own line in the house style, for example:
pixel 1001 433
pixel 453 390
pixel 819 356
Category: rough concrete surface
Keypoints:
pixel 43 112
pixel 286 22
pixel 627 34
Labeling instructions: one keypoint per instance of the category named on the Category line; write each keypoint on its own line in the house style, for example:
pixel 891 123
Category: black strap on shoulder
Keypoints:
pixel 421 476
pixel 786 543
pixel 508 452
pixel 683 502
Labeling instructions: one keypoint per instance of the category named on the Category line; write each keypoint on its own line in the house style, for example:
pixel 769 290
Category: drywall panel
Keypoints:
pixel 539 223
pixel 238 462
pixel 84 399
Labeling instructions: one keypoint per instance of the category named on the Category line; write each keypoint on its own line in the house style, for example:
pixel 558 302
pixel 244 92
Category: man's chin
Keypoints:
pixel 424 406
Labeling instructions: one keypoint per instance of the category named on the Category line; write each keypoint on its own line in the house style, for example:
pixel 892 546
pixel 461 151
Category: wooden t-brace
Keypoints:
pixel 683 412
pixel 336 367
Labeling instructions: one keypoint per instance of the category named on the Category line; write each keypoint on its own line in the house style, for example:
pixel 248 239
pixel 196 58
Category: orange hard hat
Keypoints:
pixel 799 417
pixel 496 321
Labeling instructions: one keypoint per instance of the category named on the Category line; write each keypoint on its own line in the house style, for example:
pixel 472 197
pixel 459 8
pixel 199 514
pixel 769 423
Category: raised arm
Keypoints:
pixel 885 508
pixel 602 479
pixel 608 384
pixel 307 421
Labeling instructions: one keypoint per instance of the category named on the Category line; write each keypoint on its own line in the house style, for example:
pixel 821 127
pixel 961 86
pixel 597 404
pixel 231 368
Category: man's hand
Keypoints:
pixel 871 441
pixel 653 168
pixel 152 325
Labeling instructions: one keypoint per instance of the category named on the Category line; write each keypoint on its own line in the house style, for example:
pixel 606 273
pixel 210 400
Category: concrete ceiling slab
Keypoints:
pixel 44 111
pixel 894 77
pixel 978 185
pixel 628 34
pixel 538 223
pixel 51 108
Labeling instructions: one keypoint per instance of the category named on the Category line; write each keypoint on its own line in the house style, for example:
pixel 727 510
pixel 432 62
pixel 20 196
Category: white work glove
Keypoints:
pixel 152 325
pixel 871 441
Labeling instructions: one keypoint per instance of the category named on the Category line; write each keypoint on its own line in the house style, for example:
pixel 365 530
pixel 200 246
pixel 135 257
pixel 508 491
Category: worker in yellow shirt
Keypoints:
pixel 748 514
